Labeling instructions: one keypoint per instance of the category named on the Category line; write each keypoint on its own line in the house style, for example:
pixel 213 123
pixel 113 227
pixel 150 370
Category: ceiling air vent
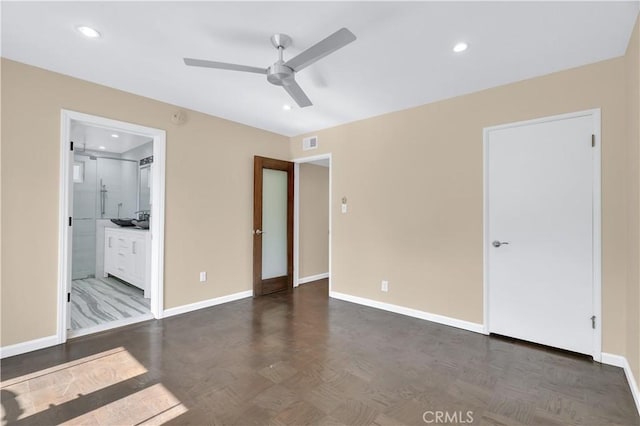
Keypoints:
pixel 309 143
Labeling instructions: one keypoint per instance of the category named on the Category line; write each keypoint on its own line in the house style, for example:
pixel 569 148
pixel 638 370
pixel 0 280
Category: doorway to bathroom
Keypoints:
pixel 113 197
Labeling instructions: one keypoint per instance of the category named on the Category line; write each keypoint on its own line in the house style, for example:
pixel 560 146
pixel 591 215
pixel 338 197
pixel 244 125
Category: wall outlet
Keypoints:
pixel 385 286
pixel 203 277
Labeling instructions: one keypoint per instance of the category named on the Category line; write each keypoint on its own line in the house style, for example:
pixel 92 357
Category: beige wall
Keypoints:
pixel 632 68
pixel 414 184
pixel 209 185
pixel 314 220
pixel 413 179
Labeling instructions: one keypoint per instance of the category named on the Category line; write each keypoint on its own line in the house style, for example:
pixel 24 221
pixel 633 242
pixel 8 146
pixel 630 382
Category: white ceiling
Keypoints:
pixel 402 57
pixel 92 138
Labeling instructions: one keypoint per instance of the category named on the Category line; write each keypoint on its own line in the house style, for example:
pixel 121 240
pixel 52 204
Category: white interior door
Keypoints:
pixel 540 246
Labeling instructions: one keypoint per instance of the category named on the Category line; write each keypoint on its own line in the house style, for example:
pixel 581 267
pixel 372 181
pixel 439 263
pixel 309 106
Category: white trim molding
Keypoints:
pixel 312 278
pixel 595 115
pixel 440 319
pixel 206 303
pixel 615 360
pixel 29 346
pixel 620 361
pixel 66 210
pixel 296 225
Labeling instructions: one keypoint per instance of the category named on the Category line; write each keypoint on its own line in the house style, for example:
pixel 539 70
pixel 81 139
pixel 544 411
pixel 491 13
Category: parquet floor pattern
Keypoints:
pixel 301 358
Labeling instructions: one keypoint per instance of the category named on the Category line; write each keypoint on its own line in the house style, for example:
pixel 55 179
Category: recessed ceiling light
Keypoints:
pixel 88 32
pixel 115 135
pixel 102 147
pixel 286 107
pixel 460 47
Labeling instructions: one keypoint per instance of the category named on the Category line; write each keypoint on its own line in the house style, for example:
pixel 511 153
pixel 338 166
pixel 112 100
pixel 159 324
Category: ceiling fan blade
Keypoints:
pixel 335 41
pixel 223 66
pixel 296 92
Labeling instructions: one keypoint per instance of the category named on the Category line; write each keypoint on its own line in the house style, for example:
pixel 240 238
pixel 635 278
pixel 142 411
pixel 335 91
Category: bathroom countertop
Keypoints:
pixel 129 229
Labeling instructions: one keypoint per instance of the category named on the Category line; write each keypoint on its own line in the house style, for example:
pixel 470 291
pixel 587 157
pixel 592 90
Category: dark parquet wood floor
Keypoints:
pixel 301 358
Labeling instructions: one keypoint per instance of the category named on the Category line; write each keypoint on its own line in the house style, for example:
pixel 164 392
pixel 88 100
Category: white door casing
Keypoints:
pixel 542 181
pixel 66 210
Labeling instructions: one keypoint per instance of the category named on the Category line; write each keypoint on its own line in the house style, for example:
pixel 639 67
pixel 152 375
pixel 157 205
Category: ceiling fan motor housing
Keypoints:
pixel 279 74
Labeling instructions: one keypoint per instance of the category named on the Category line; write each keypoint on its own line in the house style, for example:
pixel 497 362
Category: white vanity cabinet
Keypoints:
pixel 127 255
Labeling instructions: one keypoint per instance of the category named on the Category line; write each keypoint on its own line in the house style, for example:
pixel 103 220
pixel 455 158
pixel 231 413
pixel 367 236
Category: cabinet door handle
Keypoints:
pixel 133 247
pixel 109 242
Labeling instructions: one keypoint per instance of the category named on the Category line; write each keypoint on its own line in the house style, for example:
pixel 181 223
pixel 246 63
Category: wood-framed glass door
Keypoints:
pixel 272 225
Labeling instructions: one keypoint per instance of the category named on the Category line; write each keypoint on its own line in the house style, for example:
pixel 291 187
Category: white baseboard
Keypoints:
pixel 311 278
pixel 31 345
pixel 440 319
pixel 615 360
pixel 620 361
pixel 206 303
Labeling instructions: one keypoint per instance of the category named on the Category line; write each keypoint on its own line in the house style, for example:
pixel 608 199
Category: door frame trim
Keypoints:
pixel 296 214
pixel 595 114
pixel 66 210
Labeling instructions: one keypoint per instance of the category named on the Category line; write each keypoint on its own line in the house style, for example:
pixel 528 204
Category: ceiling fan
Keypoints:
pixel 282 73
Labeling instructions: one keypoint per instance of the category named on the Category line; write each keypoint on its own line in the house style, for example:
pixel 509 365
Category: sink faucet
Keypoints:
pixel 143 214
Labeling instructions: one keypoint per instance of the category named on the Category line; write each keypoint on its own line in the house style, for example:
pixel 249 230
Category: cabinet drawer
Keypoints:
pixel 123 242
pixel 123 262
pixel 117 240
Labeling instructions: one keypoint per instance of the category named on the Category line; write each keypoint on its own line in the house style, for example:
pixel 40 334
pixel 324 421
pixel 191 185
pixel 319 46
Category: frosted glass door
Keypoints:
pixel 274 223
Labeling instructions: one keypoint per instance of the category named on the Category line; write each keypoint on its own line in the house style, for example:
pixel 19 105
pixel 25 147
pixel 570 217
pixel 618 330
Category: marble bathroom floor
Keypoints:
pixel 96 301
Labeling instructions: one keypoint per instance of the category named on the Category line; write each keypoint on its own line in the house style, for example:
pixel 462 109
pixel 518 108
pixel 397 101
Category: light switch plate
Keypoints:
pixel 203 277
pixel 344 208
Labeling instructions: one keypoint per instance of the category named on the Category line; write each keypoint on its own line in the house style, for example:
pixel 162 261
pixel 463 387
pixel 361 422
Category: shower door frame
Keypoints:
pixel 66 211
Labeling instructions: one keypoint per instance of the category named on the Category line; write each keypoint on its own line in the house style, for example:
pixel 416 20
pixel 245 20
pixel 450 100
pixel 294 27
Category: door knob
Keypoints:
pixel 497 243
pixel 258 232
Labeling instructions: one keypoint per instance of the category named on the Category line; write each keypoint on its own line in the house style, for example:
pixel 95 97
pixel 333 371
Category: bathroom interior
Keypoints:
pixel 111 239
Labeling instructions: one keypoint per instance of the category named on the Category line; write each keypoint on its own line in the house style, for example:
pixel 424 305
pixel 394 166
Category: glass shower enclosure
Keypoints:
pixel 104 188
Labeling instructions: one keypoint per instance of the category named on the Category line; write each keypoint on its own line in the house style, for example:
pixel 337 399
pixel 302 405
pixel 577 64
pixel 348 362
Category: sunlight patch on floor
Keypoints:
pixel 154 405
pixel 38 391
